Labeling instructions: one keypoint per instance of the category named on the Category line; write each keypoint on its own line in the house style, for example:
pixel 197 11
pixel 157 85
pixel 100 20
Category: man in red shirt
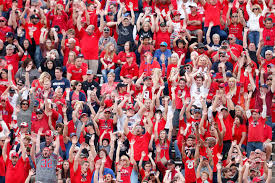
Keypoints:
pixel 15 165
pixel 130 68
pixel 213 14
pixel 256 126
pixel 89 41
pixel 3 28
pixel 141 141
pixel 78 71
pixel 148 65
pixel 194 22
pixel 13 58
pixel 268 36
pixel 236 48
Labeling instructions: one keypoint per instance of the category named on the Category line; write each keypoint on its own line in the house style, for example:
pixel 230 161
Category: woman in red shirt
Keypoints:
pixel 108 59
pixel 58 17
pixel 239 131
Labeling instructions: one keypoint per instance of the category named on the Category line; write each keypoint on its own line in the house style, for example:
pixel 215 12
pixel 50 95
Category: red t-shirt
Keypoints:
pixel 108 59
pixel 78 176
pixel 238 133
pixel 141 144
pixel 212 13
pixel 108 163
pixel 77 73
pixel 89 44
pixel 215 150
pixel 237 30
pixel 106 125
pixel 164 149
pixel 197 17
pixel 256 130
pixel 17 170
pixel 36 28
pixel 125 173
pixel 269 33
pixel 267 132
pixel 127 69
pixel 13 60
pixel 162 37
pixel 3 32
pixel 190 174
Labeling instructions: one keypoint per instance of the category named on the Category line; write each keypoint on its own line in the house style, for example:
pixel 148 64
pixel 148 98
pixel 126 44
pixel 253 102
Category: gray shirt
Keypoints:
pixel 33 74
pixel 25 116
pixel 46 168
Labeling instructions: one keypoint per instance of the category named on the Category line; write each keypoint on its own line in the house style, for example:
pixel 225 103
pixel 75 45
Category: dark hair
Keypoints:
pixel 240 118
pixel 63 175
pixel 268 19
pixel 26 63
pixel 59 68
pixel 5 70
pixel 130 46
pixel 75 84
pixel 103 151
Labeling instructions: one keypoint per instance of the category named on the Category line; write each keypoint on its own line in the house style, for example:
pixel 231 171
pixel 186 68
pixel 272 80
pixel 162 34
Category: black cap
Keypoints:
pixel 80 55
pixel 170 161
pixel 200 45
pixel 12 90
pixel 146 78
pixel 162 24
pixel 9 34
pixel 119 85
pixel 34 16
pixel 39 111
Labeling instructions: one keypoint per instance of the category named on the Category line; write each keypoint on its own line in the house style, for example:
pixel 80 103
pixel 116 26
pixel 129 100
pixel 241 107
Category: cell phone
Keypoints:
pixel 224 47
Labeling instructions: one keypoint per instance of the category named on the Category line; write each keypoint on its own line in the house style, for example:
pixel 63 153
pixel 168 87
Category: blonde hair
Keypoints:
pixel 233 90
pixel 44 76
pixel 108 52
pixel 257 6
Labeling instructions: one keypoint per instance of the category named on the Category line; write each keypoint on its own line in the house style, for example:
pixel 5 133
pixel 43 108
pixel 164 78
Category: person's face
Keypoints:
pixel 4 75
pixel 14 160
pixel 228 173
pixel 162 135
pixel 108 177
pixel 204 176
pixel 113 8
pixel 46 152
pixel 146 41
pixel 2 23
pixel 223 58
pixel 163 28
pixel 90 29
pixel 59 93
pixel 111 77
pixel 71 56
pixel 102 154
pixel 170 166
pixel 197 115
pixel 26 43
pixel 147 167
pixel 268 56
pixel 112 47
pixel 181 84
pixel 255 115
pixel 78 62
pixel 25 105
pixel 124 161
pixel 126 21
pixel 199 81
pixel 85 167
pixel 66 165
pixel 58 74
pixel 47 85
pixel 146 27
pixel 138 130
pixel 255 10
pixel 107 114
pixel 78 86
pixel 231 83
pixel 193 9
pixel 234 17
pixel 162 48
pixel 9 51
pixel 127 46
pixel 189 142
pixel 35 20
pixel 90 76
pixel 252 47
pixel 39 115
pixel 237 121
pixel 216 39
pixel 232 40
pixel 269 80
pixel 49 65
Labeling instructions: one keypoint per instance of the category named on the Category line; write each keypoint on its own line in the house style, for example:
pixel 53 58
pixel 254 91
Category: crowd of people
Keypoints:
pixel 137 91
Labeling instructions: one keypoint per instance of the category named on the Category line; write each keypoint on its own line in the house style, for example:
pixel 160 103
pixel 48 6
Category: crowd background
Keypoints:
pixel 135 91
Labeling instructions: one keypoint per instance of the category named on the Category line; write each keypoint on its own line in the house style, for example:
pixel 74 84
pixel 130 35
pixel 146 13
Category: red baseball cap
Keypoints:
pixel 231 36
pixel 147 54
pixel 129 76
pixel 130 107
pixel 14 154
pixel 24 125
pixel 3 18
pixel 255 110
pixel 49 133
pixel 176 13
pixel 221 85
pixel 130 55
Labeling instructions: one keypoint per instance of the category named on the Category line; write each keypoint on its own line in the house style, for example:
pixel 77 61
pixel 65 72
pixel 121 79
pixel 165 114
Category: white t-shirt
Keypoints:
pixel 198 93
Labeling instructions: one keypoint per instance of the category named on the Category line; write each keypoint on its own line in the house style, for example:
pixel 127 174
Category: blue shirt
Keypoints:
pixel 63 83
pixel 105 172
pixel 167 54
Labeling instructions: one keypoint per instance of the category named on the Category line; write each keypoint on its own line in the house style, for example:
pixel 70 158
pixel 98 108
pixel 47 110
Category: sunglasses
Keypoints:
pixel 2 21
pixel 269 79
pixel 20 84
pixel 255 9
pixel 230 39
pixel 25 104
pixel 234 16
